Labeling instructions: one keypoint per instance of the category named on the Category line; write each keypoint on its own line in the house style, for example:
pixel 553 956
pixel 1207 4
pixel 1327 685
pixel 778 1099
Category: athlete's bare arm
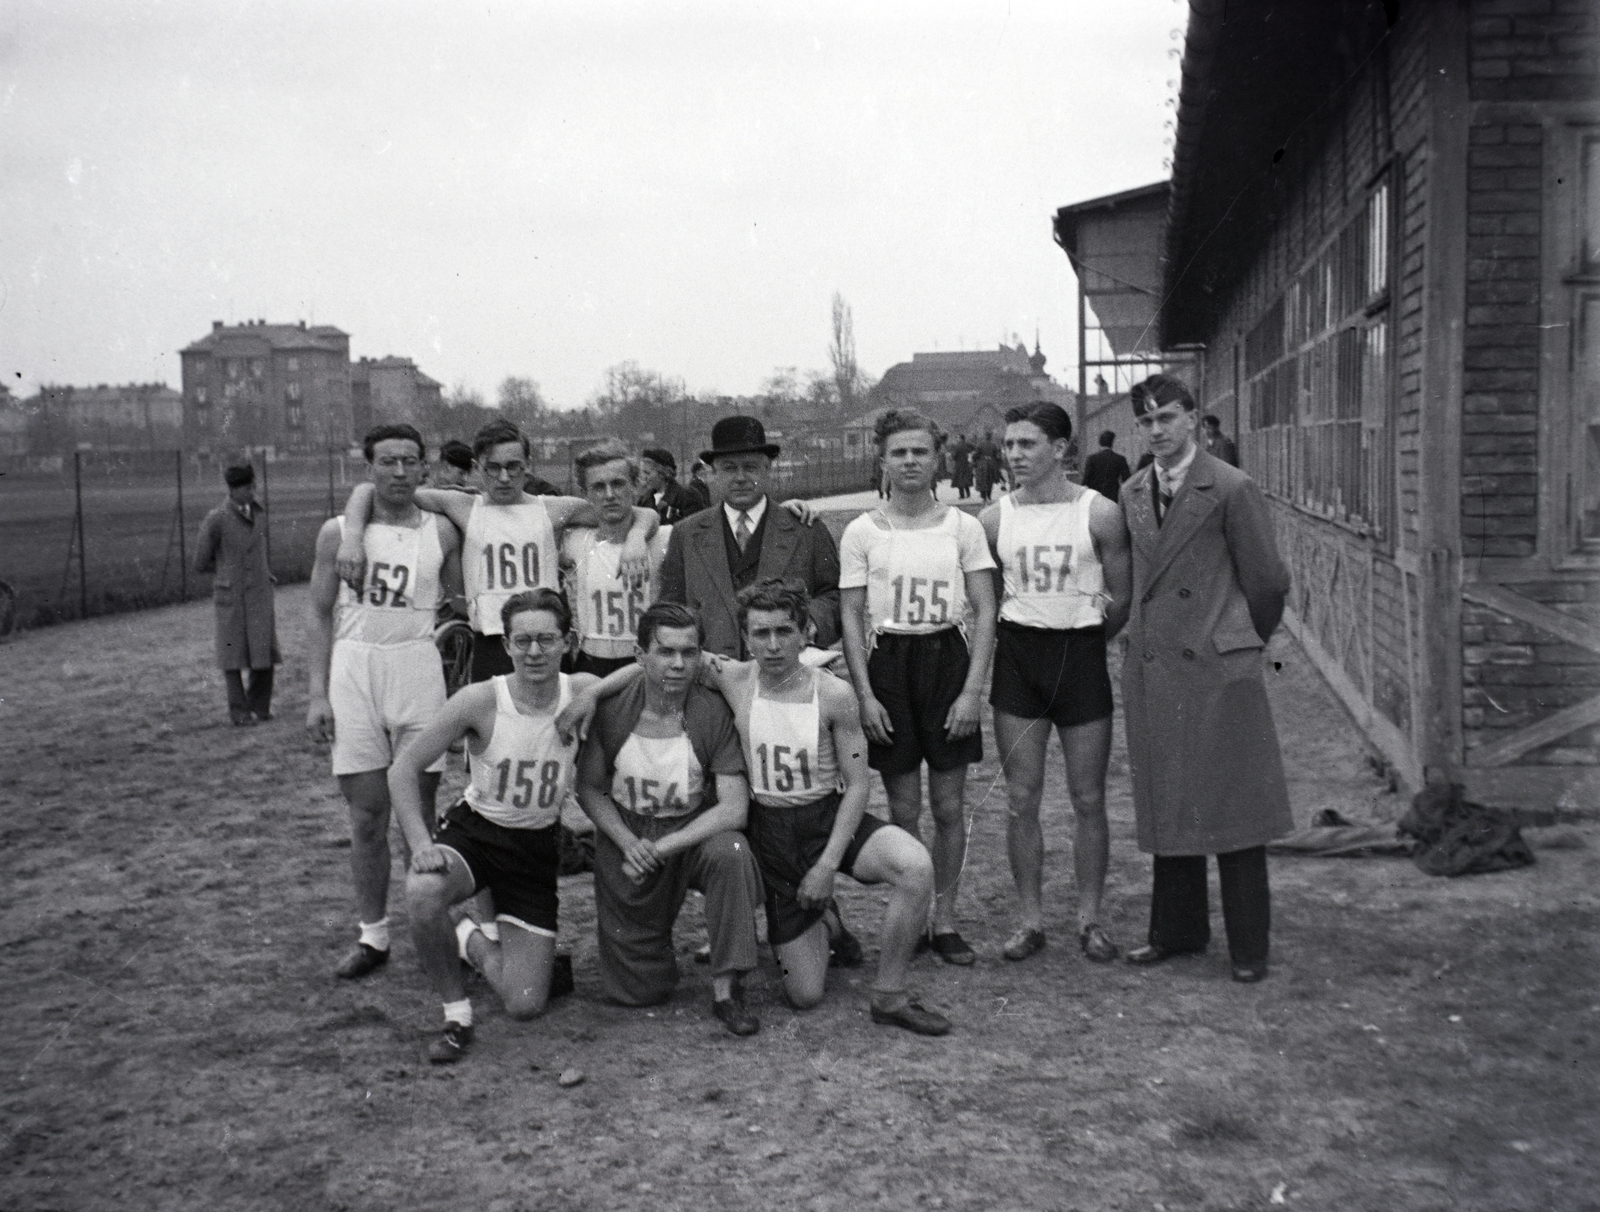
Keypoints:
pixel 1109 530
pixel 837 706
pixel 587 691
pixel 965 714
pixel 853 630
pixel 450 580
pixel 989 519
pixel 468 713
pixel 324 596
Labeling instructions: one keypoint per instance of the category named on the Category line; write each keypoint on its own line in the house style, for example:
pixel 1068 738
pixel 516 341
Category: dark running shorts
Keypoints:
pixel 1058 676
pixel 916 678
pixel 517 866
pixel 489 657
pixel 787 843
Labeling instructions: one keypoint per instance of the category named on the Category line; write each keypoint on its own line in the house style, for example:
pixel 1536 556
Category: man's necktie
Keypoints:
pixel 741 532
pixel 1165 493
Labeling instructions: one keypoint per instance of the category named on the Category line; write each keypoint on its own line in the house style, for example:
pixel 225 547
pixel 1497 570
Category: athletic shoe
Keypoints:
pixel 952 949
pixel 913 1016
pixel 1096 944
pixel 1023 943
pixel 361 960
pixel 735 1015
pixel 452 1045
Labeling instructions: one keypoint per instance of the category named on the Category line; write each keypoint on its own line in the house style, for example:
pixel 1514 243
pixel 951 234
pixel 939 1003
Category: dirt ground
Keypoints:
pixel 174 893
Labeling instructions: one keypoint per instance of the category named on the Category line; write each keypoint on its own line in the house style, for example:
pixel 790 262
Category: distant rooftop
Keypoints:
pixel 241 338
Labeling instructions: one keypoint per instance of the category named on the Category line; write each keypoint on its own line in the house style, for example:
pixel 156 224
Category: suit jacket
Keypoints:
pixel 1208 591
pixel 675 503
pixel 241 587
pixel 696 573
pixel 1104 471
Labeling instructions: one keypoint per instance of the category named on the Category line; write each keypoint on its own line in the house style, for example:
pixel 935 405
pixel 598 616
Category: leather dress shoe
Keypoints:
pixel 361 960
pixel 913 1016
pixel 1249 974
pixel 1151 954
pixel 735 1015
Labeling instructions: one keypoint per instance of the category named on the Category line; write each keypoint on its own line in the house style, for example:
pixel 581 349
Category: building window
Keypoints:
pixel 200 395
pixel 294 364
pixel 258 367
pixel 233 368
pixel 1583 279
pixel 296 417
pixel 202 417
pixel 1316 411
pixel 292 391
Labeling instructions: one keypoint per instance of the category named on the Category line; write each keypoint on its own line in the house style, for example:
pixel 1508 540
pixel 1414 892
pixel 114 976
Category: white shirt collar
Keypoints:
pixel 756 513
pixel 1172 480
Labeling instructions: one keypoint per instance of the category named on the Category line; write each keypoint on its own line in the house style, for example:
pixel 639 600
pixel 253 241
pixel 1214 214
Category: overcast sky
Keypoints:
pixel 549 189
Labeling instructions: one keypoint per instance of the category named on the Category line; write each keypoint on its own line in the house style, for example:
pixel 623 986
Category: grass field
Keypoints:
pixel 174 892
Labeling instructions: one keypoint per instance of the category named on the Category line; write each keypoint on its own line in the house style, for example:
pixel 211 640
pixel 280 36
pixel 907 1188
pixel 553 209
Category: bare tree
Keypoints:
pixel 842 353
pixel 520 402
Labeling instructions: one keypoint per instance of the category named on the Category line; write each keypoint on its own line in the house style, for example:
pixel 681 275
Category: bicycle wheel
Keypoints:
pixel 454 642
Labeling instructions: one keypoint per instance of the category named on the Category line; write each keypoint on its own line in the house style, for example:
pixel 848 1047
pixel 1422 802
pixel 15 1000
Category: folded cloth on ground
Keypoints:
pixel 1458 837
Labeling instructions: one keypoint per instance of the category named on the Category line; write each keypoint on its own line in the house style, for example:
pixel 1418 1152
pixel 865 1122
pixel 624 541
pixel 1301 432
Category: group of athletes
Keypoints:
pixel 745 779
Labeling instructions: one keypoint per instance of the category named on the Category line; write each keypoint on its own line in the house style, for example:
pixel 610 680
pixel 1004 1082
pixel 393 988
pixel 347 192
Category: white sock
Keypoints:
pixel 459 1012
pixel 491 931
pixel 464 929
pixel 376 934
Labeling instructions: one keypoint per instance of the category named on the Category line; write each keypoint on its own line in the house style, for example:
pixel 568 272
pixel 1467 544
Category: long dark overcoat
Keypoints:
pixel 241 588
pixel 1208 589
pixel 695 572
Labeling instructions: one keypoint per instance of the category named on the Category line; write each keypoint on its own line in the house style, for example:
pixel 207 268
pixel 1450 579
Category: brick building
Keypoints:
pixel 391 390
pixel 1386 234
pixel 283 386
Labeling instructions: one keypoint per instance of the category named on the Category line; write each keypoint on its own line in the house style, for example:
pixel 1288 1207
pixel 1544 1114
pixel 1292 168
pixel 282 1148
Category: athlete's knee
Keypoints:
pixel 913 869
pixel 524 1004
pixel 803 995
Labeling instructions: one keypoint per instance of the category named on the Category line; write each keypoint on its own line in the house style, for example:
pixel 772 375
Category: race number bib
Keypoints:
pixel 1047 571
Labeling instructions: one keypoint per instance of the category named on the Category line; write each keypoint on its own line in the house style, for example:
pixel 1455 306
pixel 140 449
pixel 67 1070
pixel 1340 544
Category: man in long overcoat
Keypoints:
pixel 1208 591
pixel 715 553
pixel 233 546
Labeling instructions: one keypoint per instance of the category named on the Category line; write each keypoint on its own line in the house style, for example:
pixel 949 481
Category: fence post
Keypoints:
pixel 183 541
pixel 83 563
pixel 332 507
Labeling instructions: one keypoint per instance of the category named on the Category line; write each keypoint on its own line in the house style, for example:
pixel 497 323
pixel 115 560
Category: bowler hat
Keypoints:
pixel 239 475
pixel 738 435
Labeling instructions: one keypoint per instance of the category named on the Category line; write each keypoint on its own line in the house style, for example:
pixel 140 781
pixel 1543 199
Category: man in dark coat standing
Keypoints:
pixel 1106 470
pixel 715 553
pixel 1208 591
pixel 233 546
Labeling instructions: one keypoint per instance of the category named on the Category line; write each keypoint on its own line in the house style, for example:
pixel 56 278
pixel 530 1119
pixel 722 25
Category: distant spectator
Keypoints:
pixel 961 466
pixel 454 469
pixel 699 484
pixel 233 547
pixel 1106 469
pixel 659 488
pixel 1217 444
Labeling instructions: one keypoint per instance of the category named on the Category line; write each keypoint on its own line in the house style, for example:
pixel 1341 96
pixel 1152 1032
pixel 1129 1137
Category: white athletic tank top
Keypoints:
pixel 507 549
pixel 1053 578
pixel 658 776
pixel 917 587
pixel 401 594
pixel 789 755
pixel 524 772
pixel 607 608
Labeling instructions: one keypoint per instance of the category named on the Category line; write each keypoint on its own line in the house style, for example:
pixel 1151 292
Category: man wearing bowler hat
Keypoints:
pixel 714 554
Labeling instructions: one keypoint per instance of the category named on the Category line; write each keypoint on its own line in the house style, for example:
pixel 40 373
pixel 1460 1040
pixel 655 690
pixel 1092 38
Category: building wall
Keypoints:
pixel 1486 664
pixel 262 385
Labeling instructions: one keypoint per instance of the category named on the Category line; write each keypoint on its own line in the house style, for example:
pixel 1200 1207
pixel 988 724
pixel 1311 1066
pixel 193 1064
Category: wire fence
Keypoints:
pixel 103 532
